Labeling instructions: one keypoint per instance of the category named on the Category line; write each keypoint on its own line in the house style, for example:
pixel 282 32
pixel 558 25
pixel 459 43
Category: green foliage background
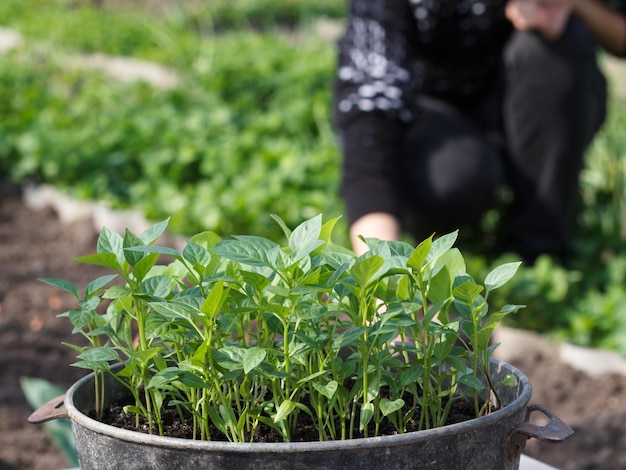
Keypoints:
pixel 248 133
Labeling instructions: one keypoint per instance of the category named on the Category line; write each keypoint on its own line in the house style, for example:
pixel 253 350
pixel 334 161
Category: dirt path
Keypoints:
pixel 35 244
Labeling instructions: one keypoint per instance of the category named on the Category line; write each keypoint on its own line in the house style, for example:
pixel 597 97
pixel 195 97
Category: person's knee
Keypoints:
pixel 529 48
pixel 554 76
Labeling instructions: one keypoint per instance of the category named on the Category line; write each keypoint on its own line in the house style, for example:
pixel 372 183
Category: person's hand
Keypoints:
pixel 548 17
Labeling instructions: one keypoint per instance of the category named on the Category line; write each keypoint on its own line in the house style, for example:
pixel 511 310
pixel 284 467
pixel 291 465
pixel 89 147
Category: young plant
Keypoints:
pixel 245 335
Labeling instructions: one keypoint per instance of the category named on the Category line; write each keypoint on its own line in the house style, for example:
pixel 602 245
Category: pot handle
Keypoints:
pixel 49 411
pixel 555 431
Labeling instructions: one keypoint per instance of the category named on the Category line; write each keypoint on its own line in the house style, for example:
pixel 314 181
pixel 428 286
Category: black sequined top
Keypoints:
pixel 392 51
pixel 438 47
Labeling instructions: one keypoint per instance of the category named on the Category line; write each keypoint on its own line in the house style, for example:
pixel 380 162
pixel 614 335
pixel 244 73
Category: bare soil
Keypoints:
pixel 34 244
pixel 305 429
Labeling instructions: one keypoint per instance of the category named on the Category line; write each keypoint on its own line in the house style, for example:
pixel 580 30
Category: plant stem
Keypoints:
pixel 364 353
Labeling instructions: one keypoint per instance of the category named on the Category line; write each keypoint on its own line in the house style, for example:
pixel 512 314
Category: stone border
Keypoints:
pixel 123 69
pixel 9 39
pixel 69 210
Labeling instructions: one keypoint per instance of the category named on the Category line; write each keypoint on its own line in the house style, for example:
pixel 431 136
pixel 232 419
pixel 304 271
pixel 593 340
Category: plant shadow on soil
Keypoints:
pixel 35 244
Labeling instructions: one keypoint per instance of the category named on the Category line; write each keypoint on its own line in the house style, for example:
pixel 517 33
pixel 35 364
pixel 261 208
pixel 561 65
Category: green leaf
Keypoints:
pixel 206 239
pixel 373 386
pixel 217 420
pixel 496 317
pixel 284 410
pixel 154 325
pixel 163 377
pixel 283 226
pixel 366 415
pixel 471 382
pixel 501 275
pixel 143 267
pixel 80 318
pixel 193 380
pixel 103 353
pixel 132 409
pixel 418 257
pixel 97 284
pixel 326 233
pixel 102 331
pixel 467 292
pixel 327 390
pixel 252 358
pixel 250 250
pixel 89 303
pixel 160 250
pixel 108 260
pixel 454 261
pixel 365 269
pixel 215 299
pixel 171 311
pixel 456 363
pixel 440 286
pixel 144 355
pixel 433 310
pixel 281 291
pixel 481 341
pixel 509 380
pixel 110 242
pixel 230 357
pixel 403 287
pixel 387 406
pixel 245 387
pixel 441 245
pixel 116 292
pixel 196 254
pixel 150 235
pixel 305 238
pixel 228 415
pixel 92 365
pixel 346 338
pixel 61 284
pixel 157 286
pixel 467 327
pixel 131 240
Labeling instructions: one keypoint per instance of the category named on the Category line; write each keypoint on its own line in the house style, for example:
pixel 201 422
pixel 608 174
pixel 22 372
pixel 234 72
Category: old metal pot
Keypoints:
pixel 492 442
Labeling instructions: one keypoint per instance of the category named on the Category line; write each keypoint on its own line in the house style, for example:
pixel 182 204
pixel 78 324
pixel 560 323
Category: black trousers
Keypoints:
pixel 530 134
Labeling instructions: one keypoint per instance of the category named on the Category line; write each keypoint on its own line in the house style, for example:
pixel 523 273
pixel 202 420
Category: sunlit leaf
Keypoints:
pixel 366 415
pixel 365 269
pixel 501 275
pixel 61 284
pixel 252 358
pixel 387 406
pixel 327 390
pixel 284 410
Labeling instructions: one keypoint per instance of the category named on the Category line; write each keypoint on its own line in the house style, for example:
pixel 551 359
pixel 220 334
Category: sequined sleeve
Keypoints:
pixel 373 70
pixel 373 102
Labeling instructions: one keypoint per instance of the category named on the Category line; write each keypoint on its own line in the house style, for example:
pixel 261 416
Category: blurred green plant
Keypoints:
pixel 215 153
pixel 38 392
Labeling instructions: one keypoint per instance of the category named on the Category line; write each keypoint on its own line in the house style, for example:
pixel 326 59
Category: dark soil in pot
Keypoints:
pixel 305 431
